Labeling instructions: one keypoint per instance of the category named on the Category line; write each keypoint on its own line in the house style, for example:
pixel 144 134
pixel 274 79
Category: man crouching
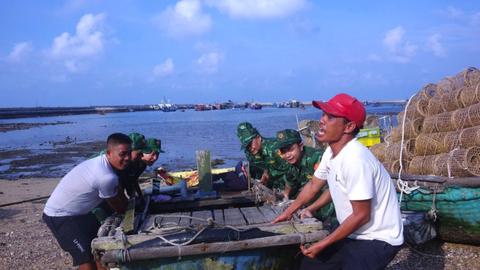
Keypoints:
pixel 67 212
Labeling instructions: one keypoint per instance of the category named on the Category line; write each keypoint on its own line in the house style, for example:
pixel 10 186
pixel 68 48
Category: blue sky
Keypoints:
pixel 75 53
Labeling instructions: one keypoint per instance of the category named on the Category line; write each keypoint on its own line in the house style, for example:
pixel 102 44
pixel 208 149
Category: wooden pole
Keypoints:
pixel 115 256
pixel 204 170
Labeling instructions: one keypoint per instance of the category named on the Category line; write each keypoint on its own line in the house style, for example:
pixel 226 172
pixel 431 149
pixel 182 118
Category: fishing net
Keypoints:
pixel 438 123
pixel 467 77
pixel 458 162
pixel 412 130
pixel 470 95
pixel 378 150
pixel 429 143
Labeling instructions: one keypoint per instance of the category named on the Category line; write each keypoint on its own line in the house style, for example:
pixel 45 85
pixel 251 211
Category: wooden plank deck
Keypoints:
pixel 240 216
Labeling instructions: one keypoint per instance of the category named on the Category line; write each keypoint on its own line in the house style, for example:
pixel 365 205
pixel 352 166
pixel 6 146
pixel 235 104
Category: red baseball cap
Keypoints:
pixel 343 105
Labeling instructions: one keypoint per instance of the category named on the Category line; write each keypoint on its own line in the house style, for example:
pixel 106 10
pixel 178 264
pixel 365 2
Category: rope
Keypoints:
pixel 403 185
pixel 125 253
pixel 433 211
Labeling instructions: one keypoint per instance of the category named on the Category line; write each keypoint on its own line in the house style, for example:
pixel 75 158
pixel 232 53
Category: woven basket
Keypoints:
pixel 438 123
pixel 452 100
pixel 392 151
pixel 470 95
pixel 429 143
pixel 451 141
pixel 378 150
pixel 412 129
pixel 435 105
pixel 459 162
pixel 474 115
pixel 471 76
pixel 469 137
pixel 422 165
pixel 428 91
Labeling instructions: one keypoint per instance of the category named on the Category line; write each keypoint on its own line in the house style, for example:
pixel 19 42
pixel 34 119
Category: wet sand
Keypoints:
pixel 53 162
pixel 6 127
pixel 26 242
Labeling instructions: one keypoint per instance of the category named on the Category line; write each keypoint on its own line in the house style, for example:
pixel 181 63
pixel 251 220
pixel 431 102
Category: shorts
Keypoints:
pixel 74 234
pixel 349 254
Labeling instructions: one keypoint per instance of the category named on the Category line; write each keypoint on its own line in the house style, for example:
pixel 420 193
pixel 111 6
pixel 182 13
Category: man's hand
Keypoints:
pixel 305 213
pixel 313 250
pixel 265 178
pixel 284 216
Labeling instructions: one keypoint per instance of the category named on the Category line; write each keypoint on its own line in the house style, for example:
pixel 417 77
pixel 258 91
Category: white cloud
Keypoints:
pixel 75 50
pixel 374 57
pixel 184 19
pixel 433 43
pixel 453 12
pixel 399 50
pixel 209 62
pixel 20 51
pixel 258 9
pixel 164 69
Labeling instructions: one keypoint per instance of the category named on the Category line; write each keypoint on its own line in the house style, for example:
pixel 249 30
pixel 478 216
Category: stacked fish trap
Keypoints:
pixel 441 132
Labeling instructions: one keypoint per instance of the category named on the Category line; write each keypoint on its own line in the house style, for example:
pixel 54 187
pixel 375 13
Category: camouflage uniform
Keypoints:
pixel 267 158
pixel 302 172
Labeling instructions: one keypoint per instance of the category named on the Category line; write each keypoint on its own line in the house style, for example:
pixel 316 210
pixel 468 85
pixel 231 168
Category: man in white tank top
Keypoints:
pixel 68 210
pixel 371 229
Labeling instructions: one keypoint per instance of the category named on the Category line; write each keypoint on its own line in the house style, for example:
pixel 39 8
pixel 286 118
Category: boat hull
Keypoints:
pixel 266 258
pixel 458 213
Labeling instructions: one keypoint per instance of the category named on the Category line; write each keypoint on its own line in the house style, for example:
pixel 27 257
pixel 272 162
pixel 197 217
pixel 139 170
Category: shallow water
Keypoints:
pixel 181 133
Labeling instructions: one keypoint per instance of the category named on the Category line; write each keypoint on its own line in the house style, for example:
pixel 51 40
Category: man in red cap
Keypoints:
pixel 371 229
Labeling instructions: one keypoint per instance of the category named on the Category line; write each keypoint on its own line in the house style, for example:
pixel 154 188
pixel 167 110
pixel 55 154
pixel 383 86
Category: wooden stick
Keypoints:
pixel 204 170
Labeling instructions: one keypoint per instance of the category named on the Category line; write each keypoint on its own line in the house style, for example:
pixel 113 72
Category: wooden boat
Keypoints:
pixel 230 231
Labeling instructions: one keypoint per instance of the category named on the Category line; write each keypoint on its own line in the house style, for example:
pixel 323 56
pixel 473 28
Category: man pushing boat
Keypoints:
pixel 371 230
pixel 67 212
pixel 265 163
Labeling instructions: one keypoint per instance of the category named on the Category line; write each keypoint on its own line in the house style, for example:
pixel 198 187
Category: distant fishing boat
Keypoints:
pixel 255 106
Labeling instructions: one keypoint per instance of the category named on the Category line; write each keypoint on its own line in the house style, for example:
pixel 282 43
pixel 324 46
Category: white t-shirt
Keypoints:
pixel 83 188
pixel 356 174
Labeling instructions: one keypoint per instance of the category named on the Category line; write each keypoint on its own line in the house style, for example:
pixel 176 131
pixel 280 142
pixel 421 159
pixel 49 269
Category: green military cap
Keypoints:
pixel 138 141
pixel 153 145
pixel 246 133
pixel 287 137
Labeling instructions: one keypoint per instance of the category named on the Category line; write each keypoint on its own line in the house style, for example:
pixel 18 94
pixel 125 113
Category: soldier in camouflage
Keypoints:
pixel 265 163
pixel 303 162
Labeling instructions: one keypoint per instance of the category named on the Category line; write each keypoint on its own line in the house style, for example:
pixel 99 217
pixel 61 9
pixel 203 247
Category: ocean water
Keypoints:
pixel 181 133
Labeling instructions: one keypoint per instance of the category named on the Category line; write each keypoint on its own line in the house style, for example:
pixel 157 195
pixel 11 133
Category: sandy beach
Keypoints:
pixel 26 242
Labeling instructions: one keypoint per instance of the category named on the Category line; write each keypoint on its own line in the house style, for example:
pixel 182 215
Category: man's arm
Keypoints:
pixel 286 191
pixel 306 195
pixel 119 202
pixel 360 215
pixel 324 199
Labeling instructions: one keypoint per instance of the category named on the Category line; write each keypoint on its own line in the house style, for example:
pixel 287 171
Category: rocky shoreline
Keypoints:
pixel 26 242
